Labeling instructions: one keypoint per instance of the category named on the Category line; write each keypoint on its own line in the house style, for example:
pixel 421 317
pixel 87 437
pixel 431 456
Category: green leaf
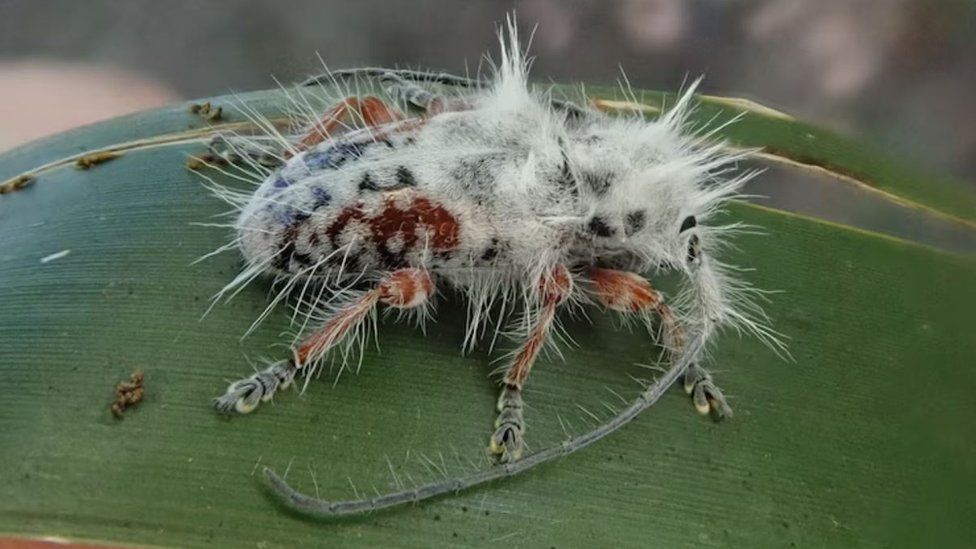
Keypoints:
pixel 864 440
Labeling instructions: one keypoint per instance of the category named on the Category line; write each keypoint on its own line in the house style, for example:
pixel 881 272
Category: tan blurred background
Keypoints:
pixel 902 72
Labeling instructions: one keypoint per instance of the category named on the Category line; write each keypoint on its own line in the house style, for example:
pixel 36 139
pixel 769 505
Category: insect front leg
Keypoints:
pixel 507 440
pixel 402 289
pixel 628 292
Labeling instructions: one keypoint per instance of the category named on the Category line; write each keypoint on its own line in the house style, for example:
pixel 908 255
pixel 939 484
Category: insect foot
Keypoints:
pixel 244 395
pixel 706 396
pixel 507 439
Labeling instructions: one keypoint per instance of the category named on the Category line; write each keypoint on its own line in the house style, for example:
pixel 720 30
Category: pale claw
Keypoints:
pixel 507 440
pixel 244 395
pixel 507 443
pixel 706 396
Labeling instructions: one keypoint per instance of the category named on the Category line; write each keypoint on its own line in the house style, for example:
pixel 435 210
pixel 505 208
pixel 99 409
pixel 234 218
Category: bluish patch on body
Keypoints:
pixel 335 156
pixel 285 216
pixel 322 197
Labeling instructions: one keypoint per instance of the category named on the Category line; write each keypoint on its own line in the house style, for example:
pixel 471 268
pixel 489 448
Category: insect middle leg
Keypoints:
pixel 507 440
pixel 630 293
pixel 402 289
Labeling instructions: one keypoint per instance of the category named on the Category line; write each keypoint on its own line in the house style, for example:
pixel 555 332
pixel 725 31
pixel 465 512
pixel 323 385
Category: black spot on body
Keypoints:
pixel 599 227
pixel 444 255
pixel 688 223
pixel 303 260
pixel 693 251
pixel 565 179
pixel 283 259
pixel 405 177
pixel 636 220
pixel 598 183
pixel 367 183
pixel 286 245
pixel 491 252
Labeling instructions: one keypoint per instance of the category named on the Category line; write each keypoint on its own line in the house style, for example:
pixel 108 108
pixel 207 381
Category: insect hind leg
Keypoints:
pixel 402 289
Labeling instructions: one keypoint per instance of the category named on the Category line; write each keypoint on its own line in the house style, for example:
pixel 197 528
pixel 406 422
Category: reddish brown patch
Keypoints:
pixel 376 113
pixel 623 291
pixel 557 285
pixel 372 110
pixel 402 287
pixel 402 219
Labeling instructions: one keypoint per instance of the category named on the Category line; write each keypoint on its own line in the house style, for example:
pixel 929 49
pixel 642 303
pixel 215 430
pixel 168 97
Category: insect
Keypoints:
pixel 519 201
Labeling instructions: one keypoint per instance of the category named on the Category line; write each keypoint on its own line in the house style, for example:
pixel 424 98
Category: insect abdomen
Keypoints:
pixel 393 229
pixel 381 230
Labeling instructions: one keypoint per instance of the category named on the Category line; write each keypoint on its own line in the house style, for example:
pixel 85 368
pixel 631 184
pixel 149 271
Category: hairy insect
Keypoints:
pixel 520 201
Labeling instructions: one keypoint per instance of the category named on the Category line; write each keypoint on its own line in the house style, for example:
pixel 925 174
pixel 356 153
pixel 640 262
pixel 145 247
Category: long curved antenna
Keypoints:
pixel 308 505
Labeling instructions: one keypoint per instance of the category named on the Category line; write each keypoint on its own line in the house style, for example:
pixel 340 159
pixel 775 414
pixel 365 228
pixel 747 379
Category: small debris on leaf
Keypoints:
pixel 56 255
pixel 128 393
pixel 94 159
pixel 16 183
pixel 207 111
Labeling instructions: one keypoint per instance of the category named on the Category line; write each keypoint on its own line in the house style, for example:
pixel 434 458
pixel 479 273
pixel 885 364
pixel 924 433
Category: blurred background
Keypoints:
pixel 900 73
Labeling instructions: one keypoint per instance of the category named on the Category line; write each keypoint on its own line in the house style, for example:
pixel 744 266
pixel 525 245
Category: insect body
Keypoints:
pixel 511 197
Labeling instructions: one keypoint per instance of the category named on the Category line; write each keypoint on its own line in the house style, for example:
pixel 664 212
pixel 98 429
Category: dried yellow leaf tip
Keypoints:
pixel 609 105
pixel 90 160
pixel 747 105
pixel 16 183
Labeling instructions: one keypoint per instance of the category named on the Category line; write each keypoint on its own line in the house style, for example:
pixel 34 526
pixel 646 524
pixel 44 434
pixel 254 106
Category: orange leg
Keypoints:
pixel 402 289
pixel 371 110
pixel 630 293
pixel 506 441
